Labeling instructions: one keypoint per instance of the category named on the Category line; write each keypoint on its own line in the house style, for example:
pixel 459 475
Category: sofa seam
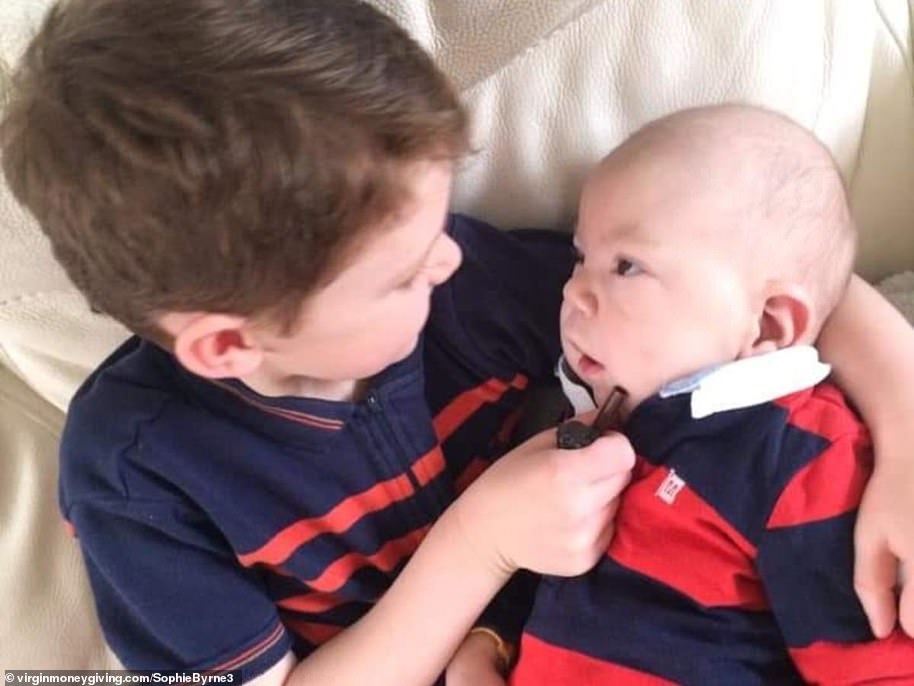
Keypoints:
pixel 906 58
pixel 896 40
pixel 542 40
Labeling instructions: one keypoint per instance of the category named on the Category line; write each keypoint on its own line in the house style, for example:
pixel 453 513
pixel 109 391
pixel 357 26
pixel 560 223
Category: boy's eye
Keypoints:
pixel 577 255
pixel 626 267
pixel 409 283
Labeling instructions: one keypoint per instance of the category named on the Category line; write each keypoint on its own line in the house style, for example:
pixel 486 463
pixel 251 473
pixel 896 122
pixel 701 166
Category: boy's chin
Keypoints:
pixel 400 354
pixel 408 348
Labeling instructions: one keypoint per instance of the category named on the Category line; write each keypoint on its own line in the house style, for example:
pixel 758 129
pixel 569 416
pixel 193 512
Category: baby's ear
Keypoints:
pixel 785 320
pixel 214 346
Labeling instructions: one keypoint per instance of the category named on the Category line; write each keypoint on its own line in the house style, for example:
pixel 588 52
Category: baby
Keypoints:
pixel 712 245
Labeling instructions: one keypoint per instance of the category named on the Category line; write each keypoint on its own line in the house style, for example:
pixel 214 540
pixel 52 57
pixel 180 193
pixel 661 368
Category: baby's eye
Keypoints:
pixel 626 267
pixel 577 255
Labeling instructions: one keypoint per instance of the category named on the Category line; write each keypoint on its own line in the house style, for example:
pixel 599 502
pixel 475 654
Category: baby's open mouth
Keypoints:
pixel 588 367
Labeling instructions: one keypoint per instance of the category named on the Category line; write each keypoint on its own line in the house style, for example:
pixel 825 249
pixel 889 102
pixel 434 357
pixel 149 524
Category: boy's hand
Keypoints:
pixel 884 538
pixel 476 663
pixel 545 509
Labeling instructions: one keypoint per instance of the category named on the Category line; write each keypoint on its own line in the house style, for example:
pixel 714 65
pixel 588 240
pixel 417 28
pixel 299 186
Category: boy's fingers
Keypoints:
pixel 609 530
pixel 609 490
pixel 606 458
pixel 874 581
pixel 541 441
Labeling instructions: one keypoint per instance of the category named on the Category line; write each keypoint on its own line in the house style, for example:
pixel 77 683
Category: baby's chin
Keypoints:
pixel 603 389
pixel 635 395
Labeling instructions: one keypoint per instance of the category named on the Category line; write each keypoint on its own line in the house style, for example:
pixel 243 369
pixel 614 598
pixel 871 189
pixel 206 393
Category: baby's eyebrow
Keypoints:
pixel 634 235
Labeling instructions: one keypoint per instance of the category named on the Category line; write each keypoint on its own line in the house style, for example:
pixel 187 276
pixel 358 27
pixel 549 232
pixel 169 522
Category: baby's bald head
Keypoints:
pixel 786 205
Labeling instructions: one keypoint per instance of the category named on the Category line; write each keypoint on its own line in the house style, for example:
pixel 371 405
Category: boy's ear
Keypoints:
pixel 214 346
pixel 785 320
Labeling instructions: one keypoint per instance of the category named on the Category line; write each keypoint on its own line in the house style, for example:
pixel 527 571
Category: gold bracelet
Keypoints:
pixel 503 649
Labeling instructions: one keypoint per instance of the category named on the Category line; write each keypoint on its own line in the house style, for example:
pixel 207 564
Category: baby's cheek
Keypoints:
pixel 565 325
pixel 564 312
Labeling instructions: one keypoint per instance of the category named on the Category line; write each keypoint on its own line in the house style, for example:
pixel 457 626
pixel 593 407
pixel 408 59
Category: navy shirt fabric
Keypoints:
pixel 732 561
pixel 221 528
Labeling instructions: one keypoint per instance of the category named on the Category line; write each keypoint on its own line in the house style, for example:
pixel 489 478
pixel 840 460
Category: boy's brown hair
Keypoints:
pixel 218 155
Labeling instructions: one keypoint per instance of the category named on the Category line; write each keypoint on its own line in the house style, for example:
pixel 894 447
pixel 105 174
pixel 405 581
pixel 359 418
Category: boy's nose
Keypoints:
pixel 580 297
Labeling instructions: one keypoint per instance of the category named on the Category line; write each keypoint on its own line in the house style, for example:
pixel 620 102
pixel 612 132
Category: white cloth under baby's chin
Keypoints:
pixel 577 394
pixel 750 381
pixel 734 385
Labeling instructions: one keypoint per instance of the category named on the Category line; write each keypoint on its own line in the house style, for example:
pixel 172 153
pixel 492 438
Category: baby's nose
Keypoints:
pixel 580 297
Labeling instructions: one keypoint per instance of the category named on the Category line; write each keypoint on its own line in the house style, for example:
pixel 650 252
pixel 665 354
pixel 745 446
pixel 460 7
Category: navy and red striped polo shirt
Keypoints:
pixel 732 561
pixel 221 528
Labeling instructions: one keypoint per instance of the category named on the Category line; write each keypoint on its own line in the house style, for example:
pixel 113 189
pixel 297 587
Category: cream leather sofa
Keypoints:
pixel 553 85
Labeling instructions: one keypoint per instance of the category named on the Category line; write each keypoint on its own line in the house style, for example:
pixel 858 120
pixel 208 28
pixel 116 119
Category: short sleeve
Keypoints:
pixel 169 592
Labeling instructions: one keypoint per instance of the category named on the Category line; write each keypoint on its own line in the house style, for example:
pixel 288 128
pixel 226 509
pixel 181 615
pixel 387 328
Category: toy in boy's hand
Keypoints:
pixel 574 434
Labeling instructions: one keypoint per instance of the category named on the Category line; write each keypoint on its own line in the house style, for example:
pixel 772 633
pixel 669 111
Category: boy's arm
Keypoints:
pixel 537 507
pixel 171 596
pixel 410 634
pixel 804 561
pixel 872 349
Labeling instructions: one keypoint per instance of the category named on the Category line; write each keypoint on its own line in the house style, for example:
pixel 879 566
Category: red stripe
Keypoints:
pixel 346 513
pixel 830 485
pixel 313 603
pixel 714 563
pixel 873 662
pixel 468 403
pixel 429 466
pixel 291 415
pixel 543 663
pixel 315 633
pixel 506 432
pixel 476 467
pixel 337 573
pixel 821 410
pixel 251 653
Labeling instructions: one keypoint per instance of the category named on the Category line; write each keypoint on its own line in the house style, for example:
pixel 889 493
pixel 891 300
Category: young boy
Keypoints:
pixel 712 246
pixel 258 189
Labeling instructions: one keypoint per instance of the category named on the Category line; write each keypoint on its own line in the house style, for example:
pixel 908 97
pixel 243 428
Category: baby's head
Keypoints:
pixel 710 235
